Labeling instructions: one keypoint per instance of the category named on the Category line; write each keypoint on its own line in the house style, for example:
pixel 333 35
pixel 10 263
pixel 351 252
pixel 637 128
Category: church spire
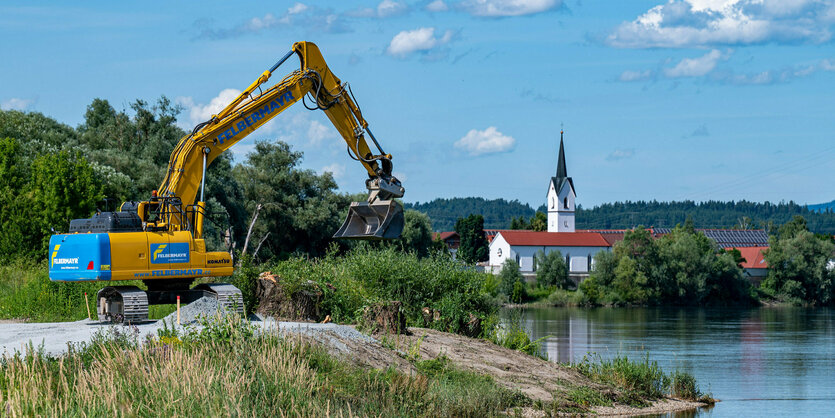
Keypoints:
pixel 561 170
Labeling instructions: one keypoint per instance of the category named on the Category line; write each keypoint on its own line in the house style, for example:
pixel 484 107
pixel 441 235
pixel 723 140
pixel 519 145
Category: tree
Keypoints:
pixel 551 269
pixel 417 234
pixel 539 221
pixel 473 247
pixel 510 277
pixel 798 266
pixel 301 209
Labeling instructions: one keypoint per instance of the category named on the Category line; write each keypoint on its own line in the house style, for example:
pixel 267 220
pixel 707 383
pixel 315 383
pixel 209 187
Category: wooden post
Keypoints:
pixel 87 302
pixel 178 309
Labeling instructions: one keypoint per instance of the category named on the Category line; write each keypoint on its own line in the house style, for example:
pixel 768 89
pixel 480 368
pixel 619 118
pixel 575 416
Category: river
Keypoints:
pixel 763 361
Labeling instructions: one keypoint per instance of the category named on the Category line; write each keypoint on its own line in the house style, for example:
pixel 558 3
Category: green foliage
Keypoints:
pixel 509 276
pixel 300 209
pixel 683 386
pixel 591 291
pixel 683 267
pixel 551 269
pixel 643 377
pixel 497 213
pixel 366 275
pixel 41 193
pixel 798 262
pixel 473 247
pixel 417 234
pixel 511 333
pixel 624 215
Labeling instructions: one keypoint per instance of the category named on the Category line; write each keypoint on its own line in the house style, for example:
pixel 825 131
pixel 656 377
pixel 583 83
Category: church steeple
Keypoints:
pixel 560 200
pixel 561 170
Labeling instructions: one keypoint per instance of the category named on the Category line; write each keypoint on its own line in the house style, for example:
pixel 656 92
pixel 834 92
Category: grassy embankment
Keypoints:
pixel 229 370
pixel 226 368
pixel 26 293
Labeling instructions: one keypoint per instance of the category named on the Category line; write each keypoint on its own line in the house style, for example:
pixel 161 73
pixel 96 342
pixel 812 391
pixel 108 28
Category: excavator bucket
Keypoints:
pixel 382 219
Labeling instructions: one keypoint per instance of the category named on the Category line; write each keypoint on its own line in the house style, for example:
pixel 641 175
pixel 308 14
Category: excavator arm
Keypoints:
pixel 380 217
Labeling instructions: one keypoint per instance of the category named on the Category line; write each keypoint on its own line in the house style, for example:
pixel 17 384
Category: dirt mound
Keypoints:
pixel 274 300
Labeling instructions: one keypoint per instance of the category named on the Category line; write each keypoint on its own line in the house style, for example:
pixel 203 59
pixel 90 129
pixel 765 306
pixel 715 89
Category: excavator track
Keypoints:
pixel 129 304
pixel 125 304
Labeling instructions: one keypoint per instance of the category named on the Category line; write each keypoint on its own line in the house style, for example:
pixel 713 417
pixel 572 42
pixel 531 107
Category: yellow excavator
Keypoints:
pixel 160 241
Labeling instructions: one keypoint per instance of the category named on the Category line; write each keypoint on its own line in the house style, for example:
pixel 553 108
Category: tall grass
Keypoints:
pixel 643 377
pixel 27 293
pixel 245 374
pixel 364 276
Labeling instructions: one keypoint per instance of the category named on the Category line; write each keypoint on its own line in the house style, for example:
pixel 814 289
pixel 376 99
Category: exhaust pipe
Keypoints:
pixel 382 219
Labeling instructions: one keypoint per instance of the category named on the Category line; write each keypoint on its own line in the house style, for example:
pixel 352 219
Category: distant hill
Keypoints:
pixel 823 207
pixel 499 212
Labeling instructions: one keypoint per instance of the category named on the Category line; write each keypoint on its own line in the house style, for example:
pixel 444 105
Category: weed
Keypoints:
pixel 643 377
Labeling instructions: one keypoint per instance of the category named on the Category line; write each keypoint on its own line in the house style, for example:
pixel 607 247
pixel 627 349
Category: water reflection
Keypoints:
pixel 771 360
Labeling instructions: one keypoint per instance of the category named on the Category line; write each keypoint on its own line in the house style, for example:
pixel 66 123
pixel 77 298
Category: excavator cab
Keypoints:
pixel 380 217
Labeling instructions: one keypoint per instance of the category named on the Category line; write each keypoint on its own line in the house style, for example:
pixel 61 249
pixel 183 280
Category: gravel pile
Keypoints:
pixel 201 308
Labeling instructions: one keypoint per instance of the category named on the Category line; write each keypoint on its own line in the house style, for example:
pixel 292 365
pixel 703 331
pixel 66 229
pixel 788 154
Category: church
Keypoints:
pixel 580 246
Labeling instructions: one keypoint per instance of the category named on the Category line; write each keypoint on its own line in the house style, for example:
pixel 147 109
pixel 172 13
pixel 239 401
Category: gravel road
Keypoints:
pixel 54 337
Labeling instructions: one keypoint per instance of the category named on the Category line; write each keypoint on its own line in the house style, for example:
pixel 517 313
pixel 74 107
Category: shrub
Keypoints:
pixel 508 277
pixel 644 377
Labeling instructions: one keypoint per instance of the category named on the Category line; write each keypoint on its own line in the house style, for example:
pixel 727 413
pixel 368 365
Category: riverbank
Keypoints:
pixel 338 370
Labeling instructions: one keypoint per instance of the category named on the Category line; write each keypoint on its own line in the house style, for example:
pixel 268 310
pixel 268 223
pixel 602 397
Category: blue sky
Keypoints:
pixel 665 100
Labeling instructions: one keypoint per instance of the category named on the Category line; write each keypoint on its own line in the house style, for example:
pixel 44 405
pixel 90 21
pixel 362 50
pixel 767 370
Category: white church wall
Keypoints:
pixel 578 256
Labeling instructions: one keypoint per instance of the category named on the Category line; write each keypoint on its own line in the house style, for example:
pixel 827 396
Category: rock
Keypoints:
pixel 384 317
pixel 273 300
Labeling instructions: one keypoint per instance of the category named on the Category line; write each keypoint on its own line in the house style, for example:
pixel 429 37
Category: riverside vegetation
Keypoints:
pixel 685 268
pixel 226 367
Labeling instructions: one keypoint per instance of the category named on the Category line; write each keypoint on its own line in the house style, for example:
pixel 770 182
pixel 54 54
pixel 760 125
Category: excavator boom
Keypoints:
pixel 160 241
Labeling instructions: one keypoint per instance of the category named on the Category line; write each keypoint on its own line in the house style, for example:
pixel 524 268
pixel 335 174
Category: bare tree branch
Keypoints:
pixel 255 254
pixel 251 224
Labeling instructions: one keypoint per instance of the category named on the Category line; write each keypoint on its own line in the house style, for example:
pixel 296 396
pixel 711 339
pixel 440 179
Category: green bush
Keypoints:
pixel 366 275
pixel 643 377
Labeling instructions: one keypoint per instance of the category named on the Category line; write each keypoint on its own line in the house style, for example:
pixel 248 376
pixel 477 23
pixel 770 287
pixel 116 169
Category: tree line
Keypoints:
pixel 503 214
pixel 51 173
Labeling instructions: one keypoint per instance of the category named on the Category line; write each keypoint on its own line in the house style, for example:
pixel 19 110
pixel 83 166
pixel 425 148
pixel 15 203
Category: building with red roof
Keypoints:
pixel 580 246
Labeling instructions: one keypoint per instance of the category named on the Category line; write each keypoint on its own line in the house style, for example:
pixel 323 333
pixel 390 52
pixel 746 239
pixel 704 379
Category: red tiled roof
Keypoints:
pixel 554 239
pixel 754 258
pixel 444 235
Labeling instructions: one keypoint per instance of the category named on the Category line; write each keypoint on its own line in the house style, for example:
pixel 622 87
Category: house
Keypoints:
pixel 754 267
pixel 450 238
pixel 580 246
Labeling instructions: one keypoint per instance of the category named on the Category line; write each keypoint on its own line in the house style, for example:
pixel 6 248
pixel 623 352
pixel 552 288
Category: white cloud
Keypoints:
pixel 700 23
pixel 299 15
pixel 501 8
pixel 336 169
pixel 317 133
pixel 621 154
pixel 16 103
pixel 418 40
pixel 694 67
pixel 437 6
pixel 635 75
pixel 386 8
pixel 198 112
pixel 296 9
pixel 488 141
